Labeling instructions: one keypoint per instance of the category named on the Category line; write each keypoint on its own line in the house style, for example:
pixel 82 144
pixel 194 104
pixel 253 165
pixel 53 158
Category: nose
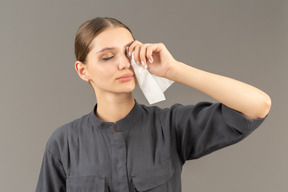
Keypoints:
pixel 124 62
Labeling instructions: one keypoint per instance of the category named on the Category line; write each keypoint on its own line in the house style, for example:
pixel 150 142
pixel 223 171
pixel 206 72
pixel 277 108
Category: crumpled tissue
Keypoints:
pixel 152 86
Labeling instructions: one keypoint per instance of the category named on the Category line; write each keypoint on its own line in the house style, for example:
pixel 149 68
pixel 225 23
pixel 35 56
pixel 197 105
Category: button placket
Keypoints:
pixel 119 169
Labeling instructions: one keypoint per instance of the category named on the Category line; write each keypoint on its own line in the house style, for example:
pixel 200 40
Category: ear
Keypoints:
pixel 81 69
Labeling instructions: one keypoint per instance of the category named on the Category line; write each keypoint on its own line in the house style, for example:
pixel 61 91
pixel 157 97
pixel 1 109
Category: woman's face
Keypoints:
pixel 108 67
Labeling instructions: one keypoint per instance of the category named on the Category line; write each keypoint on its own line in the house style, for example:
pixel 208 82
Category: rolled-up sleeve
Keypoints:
pixel 205 127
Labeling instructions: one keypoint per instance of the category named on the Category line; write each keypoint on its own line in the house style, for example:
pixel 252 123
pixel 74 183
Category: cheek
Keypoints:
pixel 104 72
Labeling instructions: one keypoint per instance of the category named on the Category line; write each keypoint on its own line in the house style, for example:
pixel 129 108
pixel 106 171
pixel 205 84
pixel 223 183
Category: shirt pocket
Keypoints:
pixel 154 179
pixel 85 184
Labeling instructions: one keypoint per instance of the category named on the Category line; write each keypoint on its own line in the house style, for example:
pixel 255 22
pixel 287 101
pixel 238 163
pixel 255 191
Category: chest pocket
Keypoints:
pixel 154 179
pixel 85 184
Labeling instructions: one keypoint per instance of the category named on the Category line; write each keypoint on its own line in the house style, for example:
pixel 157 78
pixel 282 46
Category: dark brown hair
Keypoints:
pixel 88 31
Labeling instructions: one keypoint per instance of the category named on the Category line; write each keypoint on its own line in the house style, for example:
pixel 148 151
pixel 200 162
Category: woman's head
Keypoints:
pixel 89 30
pixel 100 46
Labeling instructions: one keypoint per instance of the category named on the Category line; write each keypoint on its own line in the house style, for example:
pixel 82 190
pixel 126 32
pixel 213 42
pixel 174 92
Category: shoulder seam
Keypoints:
pixel 54 156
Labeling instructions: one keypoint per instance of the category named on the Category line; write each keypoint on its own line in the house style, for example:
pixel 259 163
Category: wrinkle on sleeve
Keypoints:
pixel 206 127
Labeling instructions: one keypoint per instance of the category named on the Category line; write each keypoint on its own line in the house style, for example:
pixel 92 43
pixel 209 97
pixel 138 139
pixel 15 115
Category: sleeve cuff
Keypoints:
pixel 238 121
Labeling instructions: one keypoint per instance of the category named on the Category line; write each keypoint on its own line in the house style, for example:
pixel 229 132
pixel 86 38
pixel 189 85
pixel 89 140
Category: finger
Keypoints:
pixel 136 53
pixel 132 47
pixel 142 53
pixel 149 52
pixel 158 47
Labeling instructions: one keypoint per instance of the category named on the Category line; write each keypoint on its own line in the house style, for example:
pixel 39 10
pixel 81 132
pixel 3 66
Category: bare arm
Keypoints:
pixel 248 100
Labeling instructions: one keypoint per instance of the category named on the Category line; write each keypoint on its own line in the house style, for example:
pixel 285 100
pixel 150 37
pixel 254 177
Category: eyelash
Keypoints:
pixel 126 53
pixel 108 58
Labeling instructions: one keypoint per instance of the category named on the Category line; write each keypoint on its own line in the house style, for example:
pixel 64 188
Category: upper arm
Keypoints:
pixel 52 177
pixel 206 127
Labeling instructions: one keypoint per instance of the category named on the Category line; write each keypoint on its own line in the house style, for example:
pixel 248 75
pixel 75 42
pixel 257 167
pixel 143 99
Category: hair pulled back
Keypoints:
pixel 89 30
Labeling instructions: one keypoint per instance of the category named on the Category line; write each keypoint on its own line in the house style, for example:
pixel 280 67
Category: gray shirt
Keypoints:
pixel 144 151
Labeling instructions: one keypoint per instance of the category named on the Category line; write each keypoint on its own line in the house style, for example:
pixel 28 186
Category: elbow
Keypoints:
pixel 259 108
pixel 268 104
pixel 265 106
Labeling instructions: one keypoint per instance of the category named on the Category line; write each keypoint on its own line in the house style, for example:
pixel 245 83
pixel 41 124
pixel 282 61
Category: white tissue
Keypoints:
pixel 152 86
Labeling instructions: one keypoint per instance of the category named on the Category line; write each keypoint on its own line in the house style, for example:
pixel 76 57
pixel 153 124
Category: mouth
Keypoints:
pixel 126 77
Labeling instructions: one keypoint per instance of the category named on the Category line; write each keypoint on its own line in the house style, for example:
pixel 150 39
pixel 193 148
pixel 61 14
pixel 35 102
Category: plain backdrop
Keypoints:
pixel 40 90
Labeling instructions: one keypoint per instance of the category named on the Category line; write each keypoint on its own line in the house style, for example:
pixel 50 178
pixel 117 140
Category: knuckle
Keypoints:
pixel 137 42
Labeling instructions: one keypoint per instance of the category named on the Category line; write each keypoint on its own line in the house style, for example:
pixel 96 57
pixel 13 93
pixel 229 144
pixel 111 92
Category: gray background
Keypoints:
pixel 40 90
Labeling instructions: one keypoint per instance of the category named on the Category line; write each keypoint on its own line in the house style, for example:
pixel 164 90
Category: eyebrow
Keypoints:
pixel 111 48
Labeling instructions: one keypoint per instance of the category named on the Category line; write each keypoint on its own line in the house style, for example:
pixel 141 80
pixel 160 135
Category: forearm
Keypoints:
pixel 250 101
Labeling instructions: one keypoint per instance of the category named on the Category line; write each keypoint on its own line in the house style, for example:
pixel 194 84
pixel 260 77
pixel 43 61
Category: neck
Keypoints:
pixel 113 107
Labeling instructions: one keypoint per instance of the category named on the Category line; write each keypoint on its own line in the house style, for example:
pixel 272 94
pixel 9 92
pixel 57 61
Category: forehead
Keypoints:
pixel 112 37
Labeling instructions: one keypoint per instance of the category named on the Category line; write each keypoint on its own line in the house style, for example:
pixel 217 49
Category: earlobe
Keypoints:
pixel 81 70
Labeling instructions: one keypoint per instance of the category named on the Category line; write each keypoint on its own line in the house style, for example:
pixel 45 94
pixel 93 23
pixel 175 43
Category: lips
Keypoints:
pixel 126 77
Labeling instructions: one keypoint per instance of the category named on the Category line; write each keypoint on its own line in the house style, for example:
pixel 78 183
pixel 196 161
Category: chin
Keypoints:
pixel 127 89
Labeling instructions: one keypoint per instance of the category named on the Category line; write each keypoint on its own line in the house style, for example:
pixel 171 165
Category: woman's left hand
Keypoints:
pixel 248 100
pixel 158 59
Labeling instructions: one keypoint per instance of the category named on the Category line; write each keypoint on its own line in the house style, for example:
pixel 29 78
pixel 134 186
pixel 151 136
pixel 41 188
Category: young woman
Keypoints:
pixel 124 146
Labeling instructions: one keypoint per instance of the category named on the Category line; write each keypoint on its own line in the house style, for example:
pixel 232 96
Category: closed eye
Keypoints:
pixel 107 58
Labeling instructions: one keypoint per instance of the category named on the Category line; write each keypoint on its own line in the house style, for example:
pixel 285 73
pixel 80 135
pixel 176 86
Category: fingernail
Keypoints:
pixel 143 62
pixel 137 62
pixel 150 60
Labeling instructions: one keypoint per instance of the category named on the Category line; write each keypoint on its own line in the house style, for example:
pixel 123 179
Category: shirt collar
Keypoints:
pixel 121 125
